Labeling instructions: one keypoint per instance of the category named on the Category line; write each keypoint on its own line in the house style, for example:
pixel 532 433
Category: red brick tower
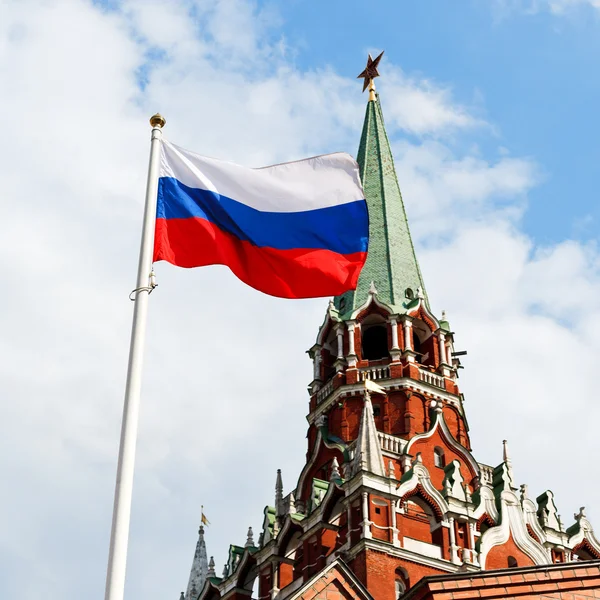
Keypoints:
pixel 391 493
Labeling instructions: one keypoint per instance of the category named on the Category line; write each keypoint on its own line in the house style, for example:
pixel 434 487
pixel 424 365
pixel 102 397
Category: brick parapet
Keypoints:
pixel 569 581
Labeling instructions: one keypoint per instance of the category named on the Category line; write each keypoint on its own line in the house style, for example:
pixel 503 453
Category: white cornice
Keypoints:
pixel 409 555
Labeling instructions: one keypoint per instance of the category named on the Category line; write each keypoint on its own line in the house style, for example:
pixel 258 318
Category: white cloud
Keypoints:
pixel 420 106
pixel 224 395
pixel 444 191
pixel 557 7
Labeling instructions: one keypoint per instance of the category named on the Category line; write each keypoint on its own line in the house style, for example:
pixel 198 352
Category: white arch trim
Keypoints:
pixel 440 423
pixel 420 475
pixel 585 532
pixel 487 504
pixel 512 521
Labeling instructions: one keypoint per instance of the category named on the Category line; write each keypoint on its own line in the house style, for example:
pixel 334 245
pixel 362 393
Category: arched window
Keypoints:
pixel 402 584
pixel 416 343
pixel 439 459
pixel 512 562
pixel 375 343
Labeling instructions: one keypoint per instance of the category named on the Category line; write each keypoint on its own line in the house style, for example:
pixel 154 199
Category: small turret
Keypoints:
pixel 368 455
pixel 211 568
pixel 250 538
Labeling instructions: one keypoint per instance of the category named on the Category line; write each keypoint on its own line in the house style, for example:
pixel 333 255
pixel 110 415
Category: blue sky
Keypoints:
pixel 533 75
pixel 491 110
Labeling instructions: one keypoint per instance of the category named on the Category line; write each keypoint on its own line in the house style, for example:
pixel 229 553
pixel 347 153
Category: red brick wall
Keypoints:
pixel 286 574
pixel 330 587
pixel 377 571
pixel 497 557
pixel 414 524
pixel 571 581
pixel 381 519
pixel 426 448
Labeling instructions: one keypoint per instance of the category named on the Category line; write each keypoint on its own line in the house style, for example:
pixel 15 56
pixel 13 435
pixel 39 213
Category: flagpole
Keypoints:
pixel 119 535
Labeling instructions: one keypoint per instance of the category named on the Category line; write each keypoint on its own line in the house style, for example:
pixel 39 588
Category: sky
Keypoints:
pixel 491 109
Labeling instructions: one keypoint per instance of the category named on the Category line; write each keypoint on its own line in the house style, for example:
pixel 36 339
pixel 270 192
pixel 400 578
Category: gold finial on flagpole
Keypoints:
pixel 369 75
pixel 157 120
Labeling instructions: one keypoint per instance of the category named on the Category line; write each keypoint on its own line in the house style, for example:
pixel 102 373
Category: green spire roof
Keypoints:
pixel 391 263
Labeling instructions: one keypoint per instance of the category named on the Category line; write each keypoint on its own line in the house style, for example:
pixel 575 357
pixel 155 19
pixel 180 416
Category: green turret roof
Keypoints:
pixel 391 263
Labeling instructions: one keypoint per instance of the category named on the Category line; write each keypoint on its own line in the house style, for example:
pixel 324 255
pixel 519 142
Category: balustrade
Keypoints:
pixel 374 373
pixel 431 378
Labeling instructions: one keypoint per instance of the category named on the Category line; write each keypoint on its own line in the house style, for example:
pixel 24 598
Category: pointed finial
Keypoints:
pixel 211 568
pixel 158 120
pixel 505 455
pixel 278 494
pixel 372 289
pixel 335 470
pixel 524 496
pixel 391 469
pixel 182 596
pixel 250 538
pixel 444 318
pixel 226 571
pixel 369 74
pixel 420 294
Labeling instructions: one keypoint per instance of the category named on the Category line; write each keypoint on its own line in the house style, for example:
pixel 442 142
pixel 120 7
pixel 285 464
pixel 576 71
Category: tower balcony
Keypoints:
pixel 381 373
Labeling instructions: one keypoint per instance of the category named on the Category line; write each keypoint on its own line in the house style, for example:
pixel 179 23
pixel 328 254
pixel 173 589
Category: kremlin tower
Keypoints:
pixel 391 502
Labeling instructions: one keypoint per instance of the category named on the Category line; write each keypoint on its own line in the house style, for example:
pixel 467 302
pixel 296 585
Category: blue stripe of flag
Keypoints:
pixel 343 228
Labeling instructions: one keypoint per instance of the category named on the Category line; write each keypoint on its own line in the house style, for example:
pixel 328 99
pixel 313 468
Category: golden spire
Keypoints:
pixel 369 74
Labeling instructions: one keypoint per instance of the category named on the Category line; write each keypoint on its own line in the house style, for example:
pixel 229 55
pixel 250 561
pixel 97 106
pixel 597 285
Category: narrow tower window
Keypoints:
pixel 416 343
pixel 375 343
pixel 439 460
pixel 401 582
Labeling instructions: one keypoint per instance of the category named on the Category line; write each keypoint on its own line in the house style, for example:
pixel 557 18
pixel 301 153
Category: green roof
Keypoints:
pixel 391 263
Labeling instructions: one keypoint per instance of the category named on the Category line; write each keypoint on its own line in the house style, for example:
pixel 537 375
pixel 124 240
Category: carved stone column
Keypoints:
pixel 395 351
pixel 340 362
pixel 351 357
pixel 366 524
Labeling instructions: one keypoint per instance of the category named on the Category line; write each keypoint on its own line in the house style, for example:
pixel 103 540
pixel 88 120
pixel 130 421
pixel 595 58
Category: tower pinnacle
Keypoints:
pixel 199 568
pixel 368 455
pixel 391 263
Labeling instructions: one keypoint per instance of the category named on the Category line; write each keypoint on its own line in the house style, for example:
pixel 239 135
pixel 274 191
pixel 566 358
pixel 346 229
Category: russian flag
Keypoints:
pixel 294 230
